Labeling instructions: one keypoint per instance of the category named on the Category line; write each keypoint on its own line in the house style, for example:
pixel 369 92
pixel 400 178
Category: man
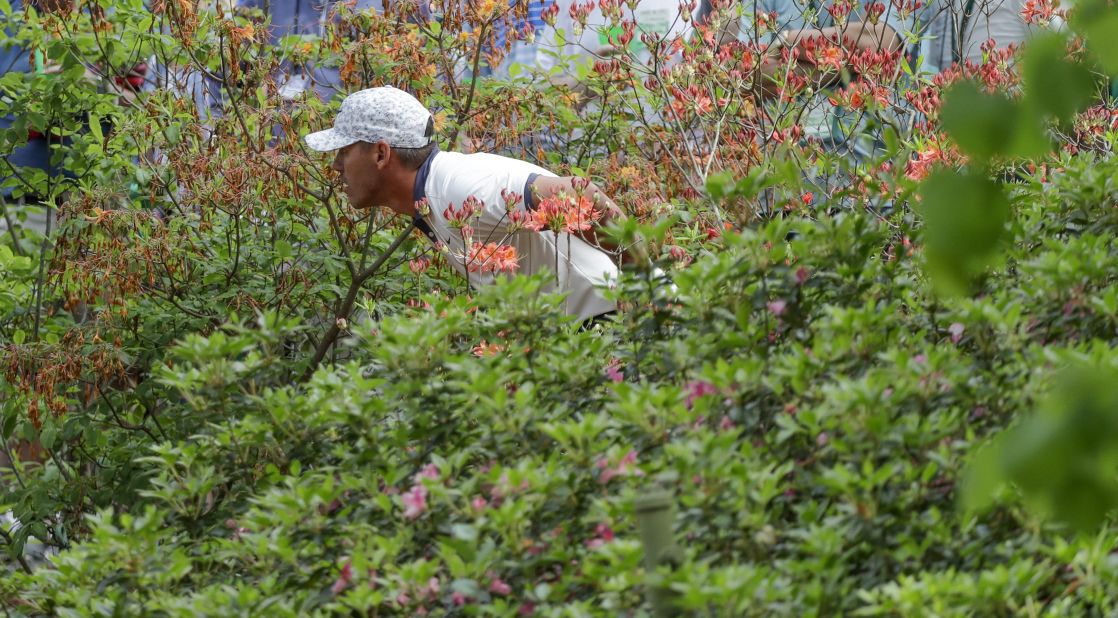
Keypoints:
pixel 857 27
pixel 304 18
pixel 23 164
pixel 479 208
pixel 958 29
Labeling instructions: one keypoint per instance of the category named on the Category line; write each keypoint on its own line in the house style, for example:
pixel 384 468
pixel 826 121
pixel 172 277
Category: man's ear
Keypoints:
pixel 382 154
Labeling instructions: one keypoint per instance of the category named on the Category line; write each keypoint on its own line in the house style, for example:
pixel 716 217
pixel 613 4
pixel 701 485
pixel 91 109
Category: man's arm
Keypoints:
pixel 549 186
pixel 860 34
pixel 863 34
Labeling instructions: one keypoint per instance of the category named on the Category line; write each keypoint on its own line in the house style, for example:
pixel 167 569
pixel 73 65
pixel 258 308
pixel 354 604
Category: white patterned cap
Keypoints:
pixel 374 115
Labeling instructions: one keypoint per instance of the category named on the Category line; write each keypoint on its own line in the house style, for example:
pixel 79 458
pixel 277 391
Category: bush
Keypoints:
pixel 794 379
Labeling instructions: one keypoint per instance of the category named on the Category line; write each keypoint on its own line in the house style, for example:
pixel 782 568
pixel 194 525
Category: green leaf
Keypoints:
pixel 48 435
pixel 95 128
pixel 1054 84
pixel 465 532
pixel 982 124
pixel 1062 457
pixel 965 215
pixel 1099 25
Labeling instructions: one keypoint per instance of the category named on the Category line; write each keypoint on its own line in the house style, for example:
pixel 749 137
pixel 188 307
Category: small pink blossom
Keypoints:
pixel 415 501
pixel 498 587
pixel 613 372
pixel 777 307
pixel 626 466
pixel 403 599
pixel 479 503
pixel 506 488
pixel 920 359
pixel 527 608
pixel 433 587
pixel 801 275
pixel 459 599
pixel 697 389
pixel 344 578
pixel 956 331
pixel 430 471
pixel 726 424
pixel 604 535
pixel 822 439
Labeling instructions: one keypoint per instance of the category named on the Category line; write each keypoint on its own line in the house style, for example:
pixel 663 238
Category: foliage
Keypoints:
pixel 247 406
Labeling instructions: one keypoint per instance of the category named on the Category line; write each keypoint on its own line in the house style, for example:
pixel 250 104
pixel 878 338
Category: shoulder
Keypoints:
pixel 482 164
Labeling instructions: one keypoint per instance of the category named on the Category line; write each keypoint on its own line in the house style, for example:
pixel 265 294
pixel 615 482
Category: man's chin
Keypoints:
pixel 360 204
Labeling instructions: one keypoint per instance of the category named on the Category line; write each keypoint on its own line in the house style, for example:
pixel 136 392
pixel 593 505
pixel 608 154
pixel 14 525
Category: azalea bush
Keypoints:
pixel 226 392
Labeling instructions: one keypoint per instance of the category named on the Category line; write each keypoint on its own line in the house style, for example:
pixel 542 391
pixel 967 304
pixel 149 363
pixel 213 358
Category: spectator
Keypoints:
pixel 303 18
pixel 958 29
pixel 477 207
pixel 838 130
pixel 25 162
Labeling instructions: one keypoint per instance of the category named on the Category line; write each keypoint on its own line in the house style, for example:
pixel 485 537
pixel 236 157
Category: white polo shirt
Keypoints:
pixel 449 178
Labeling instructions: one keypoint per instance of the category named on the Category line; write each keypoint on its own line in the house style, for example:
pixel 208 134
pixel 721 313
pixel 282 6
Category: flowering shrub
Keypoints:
pixel 226 389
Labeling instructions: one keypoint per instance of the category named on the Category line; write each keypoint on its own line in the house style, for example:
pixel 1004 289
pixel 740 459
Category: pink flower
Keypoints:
pixel 612 371
pixel 697 389
pixel 777 307
pixel 432 586
pixel 527 608
pixel 956 331
pixel 801 275
pixel 479 503
pixel 604 535
pixel 403 599
pixel 457 217
pixel 430 471
pixel 415 501
pixel 344 578
pixel 498 587
pixel 626 466
pixel 726 424
pixel 919 359
pixel 419 265
pixel 822 439
pixel 459 599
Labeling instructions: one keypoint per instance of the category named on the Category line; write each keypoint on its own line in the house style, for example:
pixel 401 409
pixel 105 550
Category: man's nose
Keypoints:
pixel 337 164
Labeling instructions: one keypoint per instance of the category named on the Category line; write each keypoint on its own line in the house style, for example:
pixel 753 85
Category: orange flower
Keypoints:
pixel 562 213
pixel 830 56
pixel 488 349
pixel 491 257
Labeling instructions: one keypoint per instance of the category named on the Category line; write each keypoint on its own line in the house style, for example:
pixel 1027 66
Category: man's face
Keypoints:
pixel 357 164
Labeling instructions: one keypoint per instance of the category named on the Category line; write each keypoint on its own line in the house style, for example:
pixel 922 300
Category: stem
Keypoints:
pixel 346 305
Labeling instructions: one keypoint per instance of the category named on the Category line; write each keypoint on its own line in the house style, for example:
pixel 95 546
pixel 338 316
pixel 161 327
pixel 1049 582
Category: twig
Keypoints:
pixel 346 305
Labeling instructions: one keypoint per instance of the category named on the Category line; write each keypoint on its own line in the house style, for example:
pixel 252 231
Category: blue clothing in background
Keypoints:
pixel 522 52
pixel 15 59
pixel 304 18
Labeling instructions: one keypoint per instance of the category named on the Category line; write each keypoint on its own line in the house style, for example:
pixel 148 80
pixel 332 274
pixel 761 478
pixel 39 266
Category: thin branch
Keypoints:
pixel 346 305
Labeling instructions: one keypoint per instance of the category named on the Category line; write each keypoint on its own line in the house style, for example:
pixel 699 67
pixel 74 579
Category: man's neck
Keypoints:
pixel 405 204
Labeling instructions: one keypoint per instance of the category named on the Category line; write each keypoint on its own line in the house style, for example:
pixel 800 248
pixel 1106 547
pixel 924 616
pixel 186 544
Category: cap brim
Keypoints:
pixel 330 139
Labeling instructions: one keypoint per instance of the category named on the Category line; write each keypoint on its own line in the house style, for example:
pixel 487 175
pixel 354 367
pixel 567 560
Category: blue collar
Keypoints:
pixel 419 192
